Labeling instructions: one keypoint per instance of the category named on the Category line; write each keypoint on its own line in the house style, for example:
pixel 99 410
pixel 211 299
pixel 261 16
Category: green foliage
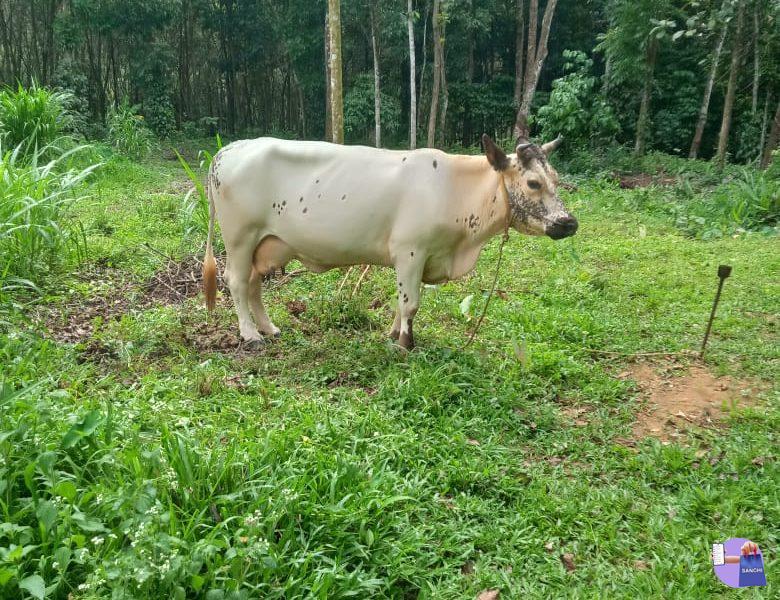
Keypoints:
pixel 359 110
pixel 37 233
pixel 576 109
pixel 128 133
pixel 195 209
pixel 751 201
pixel 33 118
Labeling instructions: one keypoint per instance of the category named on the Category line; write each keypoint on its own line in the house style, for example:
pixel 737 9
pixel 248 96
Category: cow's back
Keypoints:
pixel 333 204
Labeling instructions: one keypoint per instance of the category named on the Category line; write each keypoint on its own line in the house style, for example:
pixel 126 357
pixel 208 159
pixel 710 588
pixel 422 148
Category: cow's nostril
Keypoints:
pixel 567 221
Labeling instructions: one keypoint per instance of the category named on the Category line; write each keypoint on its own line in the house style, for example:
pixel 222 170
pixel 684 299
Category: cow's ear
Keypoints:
pixel 495 155
pixel 551 147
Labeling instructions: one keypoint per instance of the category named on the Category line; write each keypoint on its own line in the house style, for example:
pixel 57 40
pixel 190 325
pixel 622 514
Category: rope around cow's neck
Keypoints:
pixel 504 240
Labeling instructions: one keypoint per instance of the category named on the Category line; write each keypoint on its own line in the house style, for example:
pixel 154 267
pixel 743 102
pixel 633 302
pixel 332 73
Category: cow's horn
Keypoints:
pixel 551 147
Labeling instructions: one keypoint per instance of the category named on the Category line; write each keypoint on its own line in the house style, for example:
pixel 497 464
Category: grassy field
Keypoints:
pixel 145 454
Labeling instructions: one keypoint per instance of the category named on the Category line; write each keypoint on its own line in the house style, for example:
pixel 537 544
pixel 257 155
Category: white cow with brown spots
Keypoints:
pixel 426 213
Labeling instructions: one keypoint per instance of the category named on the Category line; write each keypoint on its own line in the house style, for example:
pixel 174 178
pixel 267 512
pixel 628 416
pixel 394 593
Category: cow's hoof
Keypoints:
pixel 395 334
pixel 254 344
pixel 406 342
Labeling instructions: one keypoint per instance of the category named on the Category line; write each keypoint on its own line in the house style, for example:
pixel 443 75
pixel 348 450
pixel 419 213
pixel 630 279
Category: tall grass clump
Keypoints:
pixel 33 118
pixel 750 201
pixel 37 236
pixel 128 133
pixel 195 211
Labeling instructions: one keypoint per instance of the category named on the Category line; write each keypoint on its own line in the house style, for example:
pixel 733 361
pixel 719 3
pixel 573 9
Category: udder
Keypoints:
pixel 271 254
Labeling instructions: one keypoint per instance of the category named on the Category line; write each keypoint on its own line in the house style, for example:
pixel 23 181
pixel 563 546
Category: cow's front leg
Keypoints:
pixel 237 273
pixel 409 273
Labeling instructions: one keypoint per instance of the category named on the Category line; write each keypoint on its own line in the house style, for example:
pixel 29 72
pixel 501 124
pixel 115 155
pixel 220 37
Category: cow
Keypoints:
pixel 426 213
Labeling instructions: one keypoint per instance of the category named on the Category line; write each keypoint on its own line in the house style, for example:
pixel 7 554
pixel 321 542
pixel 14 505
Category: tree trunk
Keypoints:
pixel 756 56
pixel 444 91
pixel 424 63
pixel 535 57
pixel 412 78
pixel 731 90
pixel 436 90
pixel 519 52
pixel 764 122
pixel 647 94
pixel 771 144
pixel 336 90
pixel 328 120
pixel 377 79
pixel 705 103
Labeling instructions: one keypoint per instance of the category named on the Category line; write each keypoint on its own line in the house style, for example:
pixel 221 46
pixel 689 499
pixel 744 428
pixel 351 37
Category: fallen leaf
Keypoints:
pixel 641 565
pixel 568 561
pixel 473 442
pixel 488 595
pixel 467 568
pixel 549 546
pixel 672 513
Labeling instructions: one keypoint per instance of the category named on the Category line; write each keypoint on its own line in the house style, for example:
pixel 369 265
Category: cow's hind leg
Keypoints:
pixel 238 273
pixel 395 331
pixel 409 271
pixel 262 319
pixel 270 254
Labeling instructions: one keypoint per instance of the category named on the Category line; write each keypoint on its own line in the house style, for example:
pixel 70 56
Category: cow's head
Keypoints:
pixel 532 187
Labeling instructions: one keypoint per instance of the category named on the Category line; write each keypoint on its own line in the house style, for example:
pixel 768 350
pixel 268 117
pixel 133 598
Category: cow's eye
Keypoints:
pixel 534 185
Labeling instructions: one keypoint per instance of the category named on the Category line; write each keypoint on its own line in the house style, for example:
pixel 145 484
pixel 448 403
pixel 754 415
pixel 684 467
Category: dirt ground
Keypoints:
pixel 678 399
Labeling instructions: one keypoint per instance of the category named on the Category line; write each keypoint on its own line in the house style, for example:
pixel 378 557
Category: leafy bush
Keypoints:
pixel 31 119
pixel 36 234
pixel 749 202
pixel 128 133
pixel 159 113
pixel 576 108
pixel 359 110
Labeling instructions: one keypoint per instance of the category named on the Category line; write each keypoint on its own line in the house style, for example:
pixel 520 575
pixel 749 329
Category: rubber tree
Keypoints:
pixel 335 72
pixel 731 89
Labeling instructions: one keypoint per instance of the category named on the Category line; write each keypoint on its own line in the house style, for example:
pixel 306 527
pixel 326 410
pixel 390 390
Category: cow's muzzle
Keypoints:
pixel 562 227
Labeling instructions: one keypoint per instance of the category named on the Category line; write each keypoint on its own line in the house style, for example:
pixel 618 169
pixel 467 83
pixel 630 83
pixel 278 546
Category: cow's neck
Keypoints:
pixel 484 207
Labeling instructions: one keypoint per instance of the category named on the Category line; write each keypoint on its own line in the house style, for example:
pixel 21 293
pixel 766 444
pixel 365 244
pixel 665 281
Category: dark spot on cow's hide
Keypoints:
pixel 400 284
pixel 406 298
pixel 319 195
pixel 317 181
pixel 305 210
pixel 412 253
pixel 300 199
pixel 284 203
pixel 435 164
pixel 273 205
pixel 404 160
pixel 344 197
pixel 494 199
pixel 457 220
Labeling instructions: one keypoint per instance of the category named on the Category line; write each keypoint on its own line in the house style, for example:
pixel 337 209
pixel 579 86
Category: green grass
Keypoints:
pixel 330 465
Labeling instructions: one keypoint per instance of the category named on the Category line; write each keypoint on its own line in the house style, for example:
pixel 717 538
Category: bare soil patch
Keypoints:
pixel 631 181
pixel 75 320
pixel 679 399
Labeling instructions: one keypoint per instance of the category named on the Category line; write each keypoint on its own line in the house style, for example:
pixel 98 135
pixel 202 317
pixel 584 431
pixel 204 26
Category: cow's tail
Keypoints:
pixel 209 263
